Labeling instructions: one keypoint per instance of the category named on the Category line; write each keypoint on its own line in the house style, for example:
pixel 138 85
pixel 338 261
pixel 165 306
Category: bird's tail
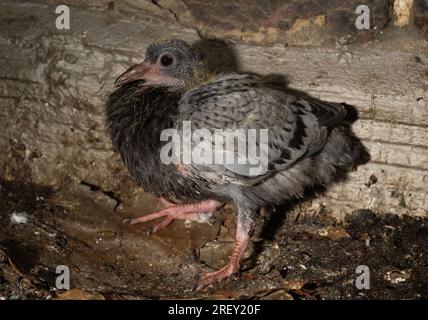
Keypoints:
pixel 343 152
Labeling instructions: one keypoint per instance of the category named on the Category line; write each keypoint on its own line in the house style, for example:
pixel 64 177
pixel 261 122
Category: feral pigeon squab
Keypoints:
pixel 306 143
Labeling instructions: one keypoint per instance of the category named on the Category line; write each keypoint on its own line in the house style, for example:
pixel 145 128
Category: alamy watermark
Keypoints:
pixel 62 22
pixel 363 280
pixel 62 281
pixel 363 20
pixel 243 151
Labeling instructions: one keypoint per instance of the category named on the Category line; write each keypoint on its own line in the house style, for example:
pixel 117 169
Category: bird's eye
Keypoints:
pixel 166 59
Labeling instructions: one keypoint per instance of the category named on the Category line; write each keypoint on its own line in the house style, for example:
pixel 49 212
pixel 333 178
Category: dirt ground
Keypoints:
pixel 291 256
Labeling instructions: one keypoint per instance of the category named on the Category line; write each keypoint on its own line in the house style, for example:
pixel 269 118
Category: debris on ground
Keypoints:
pixel 314 258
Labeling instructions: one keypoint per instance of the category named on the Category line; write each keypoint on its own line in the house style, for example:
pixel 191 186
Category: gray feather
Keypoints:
pixel 296 128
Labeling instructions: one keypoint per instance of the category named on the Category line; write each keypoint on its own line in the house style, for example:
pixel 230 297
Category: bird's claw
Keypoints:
pixel 158 226
pixel 209 278
pixel 152 231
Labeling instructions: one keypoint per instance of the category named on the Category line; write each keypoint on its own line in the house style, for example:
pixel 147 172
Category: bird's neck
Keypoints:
pixel 136 116
pixel 199 77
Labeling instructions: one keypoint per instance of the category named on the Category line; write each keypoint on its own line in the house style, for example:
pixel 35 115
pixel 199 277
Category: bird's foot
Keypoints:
pixel 176 211
pixel 233 265
pixel 212 277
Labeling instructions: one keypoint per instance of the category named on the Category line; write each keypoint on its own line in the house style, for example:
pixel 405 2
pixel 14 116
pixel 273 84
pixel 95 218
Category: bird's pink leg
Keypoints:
pixel 166 203
pixel 232 267
pixel 244 229
pixel 176 211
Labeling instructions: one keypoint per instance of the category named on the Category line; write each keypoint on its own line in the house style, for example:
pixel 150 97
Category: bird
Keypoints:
pixel 309 143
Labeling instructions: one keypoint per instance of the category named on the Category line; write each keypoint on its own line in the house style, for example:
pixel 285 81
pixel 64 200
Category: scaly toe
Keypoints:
pixel 212 277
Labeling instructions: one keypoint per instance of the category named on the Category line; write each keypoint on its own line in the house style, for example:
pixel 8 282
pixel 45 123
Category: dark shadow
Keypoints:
pixel 18 241
pixel 222 57
pixel 219 55
pixel 24 256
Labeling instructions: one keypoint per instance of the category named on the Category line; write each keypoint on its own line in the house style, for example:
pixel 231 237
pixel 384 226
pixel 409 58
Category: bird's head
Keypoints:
pixel 172 64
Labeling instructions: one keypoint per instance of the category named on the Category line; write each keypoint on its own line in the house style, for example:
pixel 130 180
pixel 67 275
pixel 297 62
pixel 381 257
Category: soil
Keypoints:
pixel 291 256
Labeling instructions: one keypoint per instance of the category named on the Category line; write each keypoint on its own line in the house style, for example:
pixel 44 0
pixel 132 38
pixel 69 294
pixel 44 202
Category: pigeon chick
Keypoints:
pixel 308 143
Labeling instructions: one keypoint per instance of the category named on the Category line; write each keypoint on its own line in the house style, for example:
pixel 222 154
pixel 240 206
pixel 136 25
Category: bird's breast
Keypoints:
pixel 135 121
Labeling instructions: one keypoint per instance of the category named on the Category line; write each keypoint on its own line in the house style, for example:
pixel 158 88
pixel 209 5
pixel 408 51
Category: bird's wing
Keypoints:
pixel 295 127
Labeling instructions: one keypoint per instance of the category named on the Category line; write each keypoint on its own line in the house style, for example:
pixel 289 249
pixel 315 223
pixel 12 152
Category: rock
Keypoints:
pixel 396 277
pixel 215 253
pixel 402 10
pixel 77 294
pixel 9 275
pixel 420 16
pixel 333 233
pixel 277 295
pixel 293 284
pixel 293 22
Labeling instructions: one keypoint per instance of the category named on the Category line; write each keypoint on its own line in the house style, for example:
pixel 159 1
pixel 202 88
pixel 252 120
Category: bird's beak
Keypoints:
pixel 149 73
pixel 142 71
